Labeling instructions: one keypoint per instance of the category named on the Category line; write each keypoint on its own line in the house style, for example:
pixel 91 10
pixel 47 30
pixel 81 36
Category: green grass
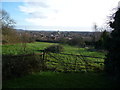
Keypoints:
pixel 33 47
pixel 57 79
pixel 83 51
pixel 72 63
pixel 18 48
pixel 61 59
pixel 60 80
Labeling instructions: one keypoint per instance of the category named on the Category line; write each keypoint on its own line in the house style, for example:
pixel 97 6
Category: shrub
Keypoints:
pixel 54 49
pixel 101 44
pixel 4 41
pixel 15 66
pixel 76 41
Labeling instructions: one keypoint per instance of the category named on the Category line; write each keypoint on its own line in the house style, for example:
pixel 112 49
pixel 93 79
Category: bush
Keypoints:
pixel 101 44
pixel 76 41
pixel 54 49
pixel 4 41
pixel 15 66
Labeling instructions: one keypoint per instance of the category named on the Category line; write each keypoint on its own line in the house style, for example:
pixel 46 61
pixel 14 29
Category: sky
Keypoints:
pixel 62 15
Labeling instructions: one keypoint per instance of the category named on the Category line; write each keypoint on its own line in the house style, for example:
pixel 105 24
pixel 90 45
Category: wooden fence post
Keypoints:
pixel 75 64
pixel 43 62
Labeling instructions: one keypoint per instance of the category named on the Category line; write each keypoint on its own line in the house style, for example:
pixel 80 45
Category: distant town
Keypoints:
pixel 58 35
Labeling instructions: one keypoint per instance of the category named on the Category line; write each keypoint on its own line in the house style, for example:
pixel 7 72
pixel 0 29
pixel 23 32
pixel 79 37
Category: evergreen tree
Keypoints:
pixel 112 62
pixel 101 43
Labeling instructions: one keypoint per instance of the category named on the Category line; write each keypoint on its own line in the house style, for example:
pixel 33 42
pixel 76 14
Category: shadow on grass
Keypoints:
pixel 60 80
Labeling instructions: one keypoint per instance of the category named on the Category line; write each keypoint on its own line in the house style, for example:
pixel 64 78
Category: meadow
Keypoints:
pixel 63 71
pixel 17 49
pixel 59 62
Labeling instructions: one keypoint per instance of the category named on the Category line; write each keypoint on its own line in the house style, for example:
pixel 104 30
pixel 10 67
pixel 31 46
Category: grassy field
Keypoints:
pixel 60 80
pixel 70 63
pixel 33 47
pixel 19 48
pixel 61 63
pixel 83 51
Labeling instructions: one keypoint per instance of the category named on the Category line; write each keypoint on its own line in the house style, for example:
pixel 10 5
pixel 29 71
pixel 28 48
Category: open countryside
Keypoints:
pixel 60 44
pixel 59 71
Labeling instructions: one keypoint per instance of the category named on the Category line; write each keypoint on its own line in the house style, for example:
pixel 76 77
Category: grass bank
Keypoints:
pixel 60 80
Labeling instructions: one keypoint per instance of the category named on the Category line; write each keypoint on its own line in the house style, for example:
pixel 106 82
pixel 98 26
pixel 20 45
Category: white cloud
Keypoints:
pixel 39 10
pixel 67 13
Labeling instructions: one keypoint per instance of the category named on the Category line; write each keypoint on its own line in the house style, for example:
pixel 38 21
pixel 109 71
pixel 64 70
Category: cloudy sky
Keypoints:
pixel 63 15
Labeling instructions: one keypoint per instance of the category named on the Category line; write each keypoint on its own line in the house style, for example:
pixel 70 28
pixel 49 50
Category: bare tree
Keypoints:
pixel 7 29
pixel 6 20
pixel 96 33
